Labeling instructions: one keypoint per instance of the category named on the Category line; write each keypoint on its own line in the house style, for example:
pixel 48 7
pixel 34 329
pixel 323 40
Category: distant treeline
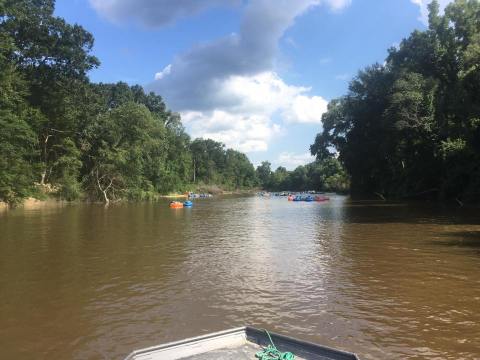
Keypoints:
pixel 60 133
pixel 323 175
pixel 411 127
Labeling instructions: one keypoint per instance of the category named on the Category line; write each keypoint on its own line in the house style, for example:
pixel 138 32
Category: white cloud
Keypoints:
pixel 338 4
pixel 247 133
pixel 197 74
pixel 267 93
pixel 247 124
pixel 306 109
pixel 423 5
pixel 166 70
pixel 291 160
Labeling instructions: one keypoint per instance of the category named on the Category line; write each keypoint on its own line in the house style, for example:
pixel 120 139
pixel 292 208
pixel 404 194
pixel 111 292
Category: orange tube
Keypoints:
pixel 176 205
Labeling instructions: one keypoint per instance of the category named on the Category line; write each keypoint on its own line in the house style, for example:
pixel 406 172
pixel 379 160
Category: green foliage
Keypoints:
pixel 239 172
pixel 322 175
pixel 122 144
pixel 329 175
pixel 100 141
pixel 17 140
pixel 213 164
pixel 264 174
pixel 66 170
pixel 16 143
pixel 411 126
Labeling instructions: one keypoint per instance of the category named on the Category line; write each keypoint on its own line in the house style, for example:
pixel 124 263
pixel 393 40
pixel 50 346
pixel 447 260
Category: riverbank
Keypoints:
pixel 214 190
pixel 32 203
pixel 51 199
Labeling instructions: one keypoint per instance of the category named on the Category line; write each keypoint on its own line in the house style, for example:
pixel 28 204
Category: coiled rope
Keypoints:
pixel 272 353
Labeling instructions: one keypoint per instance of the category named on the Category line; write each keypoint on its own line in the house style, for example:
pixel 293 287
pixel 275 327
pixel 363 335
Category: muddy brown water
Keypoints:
pixel 387 281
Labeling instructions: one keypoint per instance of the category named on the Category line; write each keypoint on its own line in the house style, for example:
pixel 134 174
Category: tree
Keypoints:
pixel 17 139
pixel 123 145
pixel 264 174
pixel 54 57
pixel 279 179
pixel 411 127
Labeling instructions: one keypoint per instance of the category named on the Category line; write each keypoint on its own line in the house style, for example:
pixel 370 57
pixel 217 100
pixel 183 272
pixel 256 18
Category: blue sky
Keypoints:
pixel 254 74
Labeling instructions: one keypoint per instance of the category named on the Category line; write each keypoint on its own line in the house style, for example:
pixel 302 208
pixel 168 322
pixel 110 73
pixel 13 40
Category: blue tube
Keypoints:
pixel 188 203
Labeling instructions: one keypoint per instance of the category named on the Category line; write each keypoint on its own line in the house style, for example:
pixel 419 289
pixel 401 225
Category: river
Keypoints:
pixel 396 281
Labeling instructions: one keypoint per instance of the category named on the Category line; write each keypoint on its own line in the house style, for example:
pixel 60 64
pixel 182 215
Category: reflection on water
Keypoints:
pixel 390 281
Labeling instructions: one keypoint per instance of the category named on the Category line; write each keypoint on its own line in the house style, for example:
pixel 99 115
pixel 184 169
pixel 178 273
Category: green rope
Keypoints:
pixel 272 353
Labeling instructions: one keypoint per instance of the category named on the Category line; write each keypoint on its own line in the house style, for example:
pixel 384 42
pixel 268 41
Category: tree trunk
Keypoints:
pixel 107 201
pixel 194 171
pixel 43 175
pixel 104 191
pixel 45 160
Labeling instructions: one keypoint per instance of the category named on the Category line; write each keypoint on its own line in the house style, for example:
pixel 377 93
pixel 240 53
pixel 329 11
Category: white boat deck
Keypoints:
pixel 237 344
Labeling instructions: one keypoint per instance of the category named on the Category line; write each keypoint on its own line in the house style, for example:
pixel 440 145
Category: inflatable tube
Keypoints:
pixel 176 205
pixel 187 204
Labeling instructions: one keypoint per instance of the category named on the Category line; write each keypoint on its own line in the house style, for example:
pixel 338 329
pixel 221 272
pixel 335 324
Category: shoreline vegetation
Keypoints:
pixel 52 200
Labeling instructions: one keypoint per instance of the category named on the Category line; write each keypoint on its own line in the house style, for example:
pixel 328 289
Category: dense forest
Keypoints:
pixel 63 135
pixel 410 127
